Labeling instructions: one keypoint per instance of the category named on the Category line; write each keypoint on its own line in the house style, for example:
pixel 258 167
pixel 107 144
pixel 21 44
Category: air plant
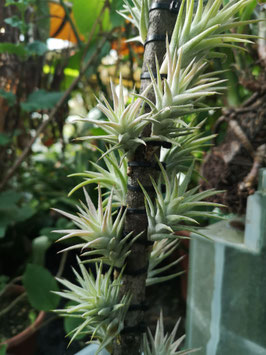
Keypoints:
pixel 164 344
pixel 99 232
pixel 124 122
pixel 197 34
pixel 179 95
pixel 161 250
pixel 183 153
pixel 96 301
pixel 177 208
pixel 138 14
pixel 113 177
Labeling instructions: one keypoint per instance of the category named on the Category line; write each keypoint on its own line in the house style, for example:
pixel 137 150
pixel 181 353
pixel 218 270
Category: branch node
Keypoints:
pixel 155 38
pixel 172 7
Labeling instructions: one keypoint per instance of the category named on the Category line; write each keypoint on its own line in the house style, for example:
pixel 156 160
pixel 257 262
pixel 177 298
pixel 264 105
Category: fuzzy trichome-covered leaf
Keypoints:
pixel 164 344
pixel 176 209
pixel 97 302
pixel 113 177
pixel 101 234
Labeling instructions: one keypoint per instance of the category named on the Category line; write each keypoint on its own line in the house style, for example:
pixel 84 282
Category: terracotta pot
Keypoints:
pixel 24 342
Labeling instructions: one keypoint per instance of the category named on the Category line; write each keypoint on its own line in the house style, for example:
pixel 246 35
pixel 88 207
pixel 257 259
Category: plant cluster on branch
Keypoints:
pixel 97 302
pixel 199 31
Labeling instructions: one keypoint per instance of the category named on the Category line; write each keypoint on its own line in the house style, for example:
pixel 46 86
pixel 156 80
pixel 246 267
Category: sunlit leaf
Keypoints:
pixel 85 14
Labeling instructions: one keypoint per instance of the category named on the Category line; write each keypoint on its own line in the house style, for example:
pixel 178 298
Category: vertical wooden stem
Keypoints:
pixel 134 278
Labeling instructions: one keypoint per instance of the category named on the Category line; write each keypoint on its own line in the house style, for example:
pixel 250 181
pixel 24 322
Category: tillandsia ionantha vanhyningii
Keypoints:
pixel 97 302
pixel 138 14
pixel 144 230
pixel 162 343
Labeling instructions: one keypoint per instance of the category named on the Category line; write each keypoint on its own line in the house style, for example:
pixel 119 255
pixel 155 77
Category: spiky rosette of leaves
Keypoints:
pixel 177 208
pixel 180 157
pixel 99 231
pixel 124 122
pixel 197 34
pixel 113 177
pixel 161 250
pixel 138 14
pixel 179 95
pixel 164 344
pixel 97 303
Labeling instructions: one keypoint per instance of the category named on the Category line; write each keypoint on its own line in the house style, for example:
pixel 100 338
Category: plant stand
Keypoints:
pixel 227 284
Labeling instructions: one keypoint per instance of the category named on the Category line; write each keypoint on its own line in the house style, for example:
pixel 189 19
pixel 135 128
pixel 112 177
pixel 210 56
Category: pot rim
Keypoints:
pixel 27 332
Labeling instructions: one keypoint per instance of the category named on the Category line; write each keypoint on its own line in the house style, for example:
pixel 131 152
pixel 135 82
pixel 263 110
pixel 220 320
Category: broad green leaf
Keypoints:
pixel 9 96
pixel 24 212
pixel 39 284
pixel 14 21
pixel 8 199
pixel 37 48
pixel 12 48
pixel 116 19
pixel 11 212
pixel 86 12
pixel 4 139
pixel 3 349
pixel 41 100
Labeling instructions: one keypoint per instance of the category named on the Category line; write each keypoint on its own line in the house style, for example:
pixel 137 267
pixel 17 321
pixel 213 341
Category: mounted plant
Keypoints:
pixel 155 205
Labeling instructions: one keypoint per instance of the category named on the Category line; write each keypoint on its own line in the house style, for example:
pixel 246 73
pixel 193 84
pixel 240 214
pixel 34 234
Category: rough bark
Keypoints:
pixel 161 22
pixel 233 165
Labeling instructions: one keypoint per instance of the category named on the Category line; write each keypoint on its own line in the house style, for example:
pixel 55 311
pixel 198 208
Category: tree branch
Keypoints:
pixel 134 282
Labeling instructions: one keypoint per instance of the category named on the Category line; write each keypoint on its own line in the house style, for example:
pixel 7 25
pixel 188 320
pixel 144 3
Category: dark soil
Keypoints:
pixel 15 320
pixel 233 165
pixel 51 340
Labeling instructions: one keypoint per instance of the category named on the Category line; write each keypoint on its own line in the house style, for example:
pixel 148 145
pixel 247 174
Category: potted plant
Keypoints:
pixel 24 301
pixel 19 322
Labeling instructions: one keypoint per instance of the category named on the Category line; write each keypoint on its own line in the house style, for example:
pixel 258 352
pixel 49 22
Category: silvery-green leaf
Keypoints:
pixel 97 303
pixel 162 343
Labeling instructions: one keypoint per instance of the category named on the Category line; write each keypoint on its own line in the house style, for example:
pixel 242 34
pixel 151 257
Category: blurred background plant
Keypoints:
pixel 51 68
